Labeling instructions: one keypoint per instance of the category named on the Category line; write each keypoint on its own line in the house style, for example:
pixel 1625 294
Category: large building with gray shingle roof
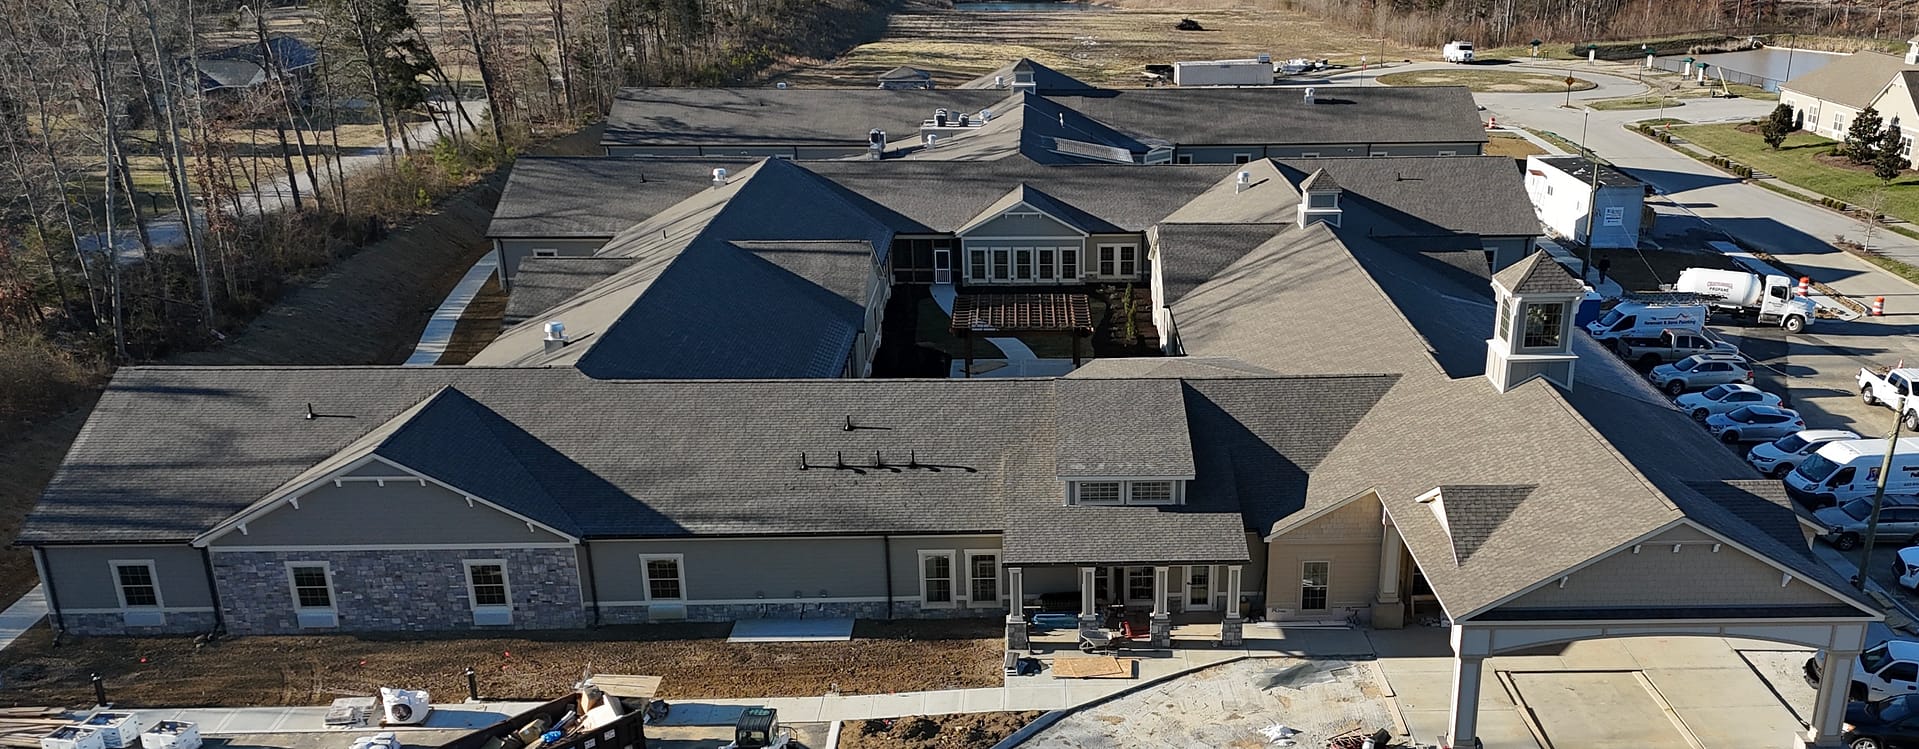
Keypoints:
pixel 1370 403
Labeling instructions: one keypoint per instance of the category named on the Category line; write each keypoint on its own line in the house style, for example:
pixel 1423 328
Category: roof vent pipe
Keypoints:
pixel 985 115
pixel 781 85
pixel 999 81
pixel 1242 181
pixel 932 140
pixel 1309 94
pixel 876 142
pixel 719 176
pixel 555 336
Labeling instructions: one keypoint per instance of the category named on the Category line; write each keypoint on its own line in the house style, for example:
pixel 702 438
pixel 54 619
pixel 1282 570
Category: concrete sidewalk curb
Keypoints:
pixel 22 615
pixel 1054 717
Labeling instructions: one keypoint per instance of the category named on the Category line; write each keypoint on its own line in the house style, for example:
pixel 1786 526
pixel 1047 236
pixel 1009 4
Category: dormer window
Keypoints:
pixel 1322 200
pixel 1545 325
pixel 1126 492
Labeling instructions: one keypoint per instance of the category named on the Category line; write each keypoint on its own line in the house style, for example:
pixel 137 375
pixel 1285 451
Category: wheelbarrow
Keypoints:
pixel 1106 640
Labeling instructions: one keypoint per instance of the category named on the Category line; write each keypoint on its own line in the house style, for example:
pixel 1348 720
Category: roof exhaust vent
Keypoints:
pixel 1062 119
pixel 999 81
pixel 985 115
pixel 932 140
pixel 781 85
pixel 1242 181
pixel 939 117
pixel 555 336
pixel 1310 94
pixel 875 142
pixel 719 176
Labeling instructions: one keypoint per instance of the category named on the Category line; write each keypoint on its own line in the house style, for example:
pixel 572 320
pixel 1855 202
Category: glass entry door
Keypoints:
pixel 1199 588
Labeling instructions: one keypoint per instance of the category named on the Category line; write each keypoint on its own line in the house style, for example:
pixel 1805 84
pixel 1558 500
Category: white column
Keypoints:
pixel 1388 611
pixel 1160 625
pixel 1829 707
pixel 1015 594
pixel 1232 628
pixel 1462 723
pixel 1160 577
pixel 1088 616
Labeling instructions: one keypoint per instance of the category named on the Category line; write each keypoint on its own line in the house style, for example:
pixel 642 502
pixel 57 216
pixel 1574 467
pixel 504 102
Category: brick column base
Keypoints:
pixel 1161 628
pixel 1088 623
pixel 1232 632
pixel 1016 635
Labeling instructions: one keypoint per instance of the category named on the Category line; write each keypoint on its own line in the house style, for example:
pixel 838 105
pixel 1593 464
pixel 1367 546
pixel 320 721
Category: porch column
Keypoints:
pixel 1388 611
pixel 1232 629
pixel 1469 658
pixel 1016 634
pixel 1829 707
pixel 1161 623
pixel 1088 614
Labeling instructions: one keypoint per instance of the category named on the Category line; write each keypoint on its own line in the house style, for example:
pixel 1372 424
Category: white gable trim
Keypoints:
pixel 1019 207
pixel 239 520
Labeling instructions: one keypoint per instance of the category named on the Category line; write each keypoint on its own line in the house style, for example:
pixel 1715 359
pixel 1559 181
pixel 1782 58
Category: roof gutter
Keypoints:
pixel 53 596
pixel 213 592
pixel 886 557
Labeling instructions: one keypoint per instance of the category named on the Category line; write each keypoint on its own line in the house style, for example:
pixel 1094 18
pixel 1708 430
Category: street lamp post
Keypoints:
pixel 1536 44
pixel 1592 53
pixel 1789 50
pixel 1879 497
pixel 1592 197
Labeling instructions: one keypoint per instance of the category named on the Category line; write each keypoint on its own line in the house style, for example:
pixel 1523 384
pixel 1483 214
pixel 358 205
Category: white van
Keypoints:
pixel 1646 320
pixel 1849 469
pixel 1458 52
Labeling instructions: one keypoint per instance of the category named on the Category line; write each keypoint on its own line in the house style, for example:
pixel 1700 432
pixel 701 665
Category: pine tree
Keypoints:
pixel 1862 139
pixel 1890 161
pixel 1776 126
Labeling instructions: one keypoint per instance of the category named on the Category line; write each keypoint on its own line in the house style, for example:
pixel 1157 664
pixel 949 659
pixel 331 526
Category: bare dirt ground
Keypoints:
pixel 1488 81
pixel 1511 146
pixel 962 731
pixel 694 659
pixel 1110 47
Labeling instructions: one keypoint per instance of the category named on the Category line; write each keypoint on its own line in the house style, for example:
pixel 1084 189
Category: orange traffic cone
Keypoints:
pixel 1805 286
pixel 1878 306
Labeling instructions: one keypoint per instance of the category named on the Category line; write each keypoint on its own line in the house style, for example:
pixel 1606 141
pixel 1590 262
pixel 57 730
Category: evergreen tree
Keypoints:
pixel 1862 139
pixel 1776 126
pixel 1890 158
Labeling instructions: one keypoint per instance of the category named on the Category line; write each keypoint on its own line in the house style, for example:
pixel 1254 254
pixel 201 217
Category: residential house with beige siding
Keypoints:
pixel 1830 99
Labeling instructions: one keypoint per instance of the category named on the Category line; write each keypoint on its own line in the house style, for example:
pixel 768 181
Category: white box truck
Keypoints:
pixel 1458 52
pixel 1643 319
pixel 1253 72
pixel 1846 470
pixel 1767 299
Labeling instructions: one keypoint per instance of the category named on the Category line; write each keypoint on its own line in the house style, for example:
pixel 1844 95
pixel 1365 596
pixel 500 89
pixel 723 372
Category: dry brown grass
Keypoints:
pixel 1512 146
pixel 1110 47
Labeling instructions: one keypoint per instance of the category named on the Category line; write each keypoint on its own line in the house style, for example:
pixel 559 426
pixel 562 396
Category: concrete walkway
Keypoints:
pixel 23 615
pixel 1020 361
pixel 439 327
pixel 217 721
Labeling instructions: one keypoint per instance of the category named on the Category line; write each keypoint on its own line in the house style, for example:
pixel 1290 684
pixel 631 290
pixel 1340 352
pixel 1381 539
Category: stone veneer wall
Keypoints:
pixel 415 591
pixel 178 623
pixel 699 612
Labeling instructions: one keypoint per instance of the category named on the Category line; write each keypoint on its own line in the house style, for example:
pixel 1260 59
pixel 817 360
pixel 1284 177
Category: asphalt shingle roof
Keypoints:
pixel 1538 274
pixel 1423 196
pixel 595 197
pixel 1474 513
pixel 774 116
pixel 1122 428
pixel 1853 80
pixel 543 283
pixel 1380 115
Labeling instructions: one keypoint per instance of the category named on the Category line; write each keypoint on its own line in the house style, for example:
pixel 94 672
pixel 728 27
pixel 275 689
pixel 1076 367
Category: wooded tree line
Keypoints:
pixel 107 119
pixel 1503 23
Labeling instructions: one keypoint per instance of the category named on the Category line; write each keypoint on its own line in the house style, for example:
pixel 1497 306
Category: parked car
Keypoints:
pixel 1700 371
pixel 1779 457
pixel 1754 424
pixel 1844 524
pixel 1722 398
pixel 1671 345
pixel 1886 724
pixel 1889 669
pixel 1905 565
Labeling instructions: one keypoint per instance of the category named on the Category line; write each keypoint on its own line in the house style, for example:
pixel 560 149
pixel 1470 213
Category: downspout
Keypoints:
pixel 53 597
pixel 213 590
pixel 886 545
pixel 585 553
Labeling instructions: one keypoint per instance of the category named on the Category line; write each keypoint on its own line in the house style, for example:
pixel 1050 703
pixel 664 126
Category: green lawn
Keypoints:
pixel 1637 102
pixel 1794 162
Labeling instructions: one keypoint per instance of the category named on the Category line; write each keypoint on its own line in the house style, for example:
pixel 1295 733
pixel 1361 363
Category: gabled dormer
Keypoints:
pixel 1123 442
pixel 1319 199
pixel 1532 327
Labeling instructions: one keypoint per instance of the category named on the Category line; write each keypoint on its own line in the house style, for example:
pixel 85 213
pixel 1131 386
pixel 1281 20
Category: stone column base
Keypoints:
pixel 1160 627
pixel 1389 615
pixel 1088 623
pixel 1016 635
pixel 1232 632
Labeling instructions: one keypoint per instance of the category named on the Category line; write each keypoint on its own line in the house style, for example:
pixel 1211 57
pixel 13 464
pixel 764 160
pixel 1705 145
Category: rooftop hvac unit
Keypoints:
pixel 117 730
pixel 555 330
pixel 1243 181
pixel 985 115
pixel 404 707
pixel 932 140
pixel 781 85
pixel 719 176
pixel 171 734
pixel 1265 59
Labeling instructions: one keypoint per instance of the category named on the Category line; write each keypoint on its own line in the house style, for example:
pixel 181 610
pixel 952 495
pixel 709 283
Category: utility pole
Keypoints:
pixel 1879 494
pixel 1592 197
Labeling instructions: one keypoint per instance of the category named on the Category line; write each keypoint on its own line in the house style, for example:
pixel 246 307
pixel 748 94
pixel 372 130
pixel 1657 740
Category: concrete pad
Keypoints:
pixel 1597 710
pixel 1711 688
pixel 860 705
pixel 1421 688
pixel 982 700
pixel 1741 727
pixel 1412 642
pixel 1318 643
pixel 702 714
pixel 1783 671
pixel 1035 698
pixel 792 630
pixel 894 705
pixel 804 710
pixel 1599 655
pixel 1500 727
pixel 1682 652
pixel 944 701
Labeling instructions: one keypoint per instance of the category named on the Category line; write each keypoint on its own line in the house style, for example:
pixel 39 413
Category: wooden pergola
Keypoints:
pixel 982 314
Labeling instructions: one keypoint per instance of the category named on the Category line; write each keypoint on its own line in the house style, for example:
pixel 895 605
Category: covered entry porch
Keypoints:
pixel 1099 596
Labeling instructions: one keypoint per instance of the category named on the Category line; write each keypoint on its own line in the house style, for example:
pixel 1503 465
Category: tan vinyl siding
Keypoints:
pixel 1349 539
pixel 400 513
pixel 1649 578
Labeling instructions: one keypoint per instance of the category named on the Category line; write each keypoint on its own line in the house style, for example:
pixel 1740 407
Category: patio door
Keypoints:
pixel 1199 587
pixel 942 265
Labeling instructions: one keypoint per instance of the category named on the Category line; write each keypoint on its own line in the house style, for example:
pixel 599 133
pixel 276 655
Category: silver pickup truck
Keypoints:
pixel 1671 345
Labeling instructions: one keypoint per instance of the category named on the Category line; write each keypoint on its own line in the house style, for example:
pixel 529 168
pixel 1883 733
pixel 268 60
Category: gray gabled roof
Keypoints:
pixel 595 197
pixel 783 117
pixel 1319 181
pixel 904 73
pixel 1854 80
pixel 1045 79
pixel 544 283
pixel 1381 116
pixel 1031 197
pixel 1473 514
pixel 1124 428
pixel 1537 273
pixel 1425 196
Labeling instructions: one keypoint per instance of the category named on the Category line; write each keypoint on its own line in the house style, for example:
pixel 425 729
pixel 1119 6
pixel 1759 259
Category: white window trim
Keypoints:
pixel 1172 498
pixel 1073 495
pixel 1126 492
pixel 953 558
pixel 472 595
pixel 314 617
pixel 646 576
pixel 1126 583
pixel 1328 586
pixel 1120 255
pixel 999 577
pixel 120 591
pixel 1309 154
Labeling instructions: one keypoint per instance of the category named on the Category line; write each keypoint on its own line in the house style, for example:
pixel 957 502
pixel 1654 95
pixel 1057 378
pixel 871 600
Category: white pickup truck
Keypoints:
pixel 1892 388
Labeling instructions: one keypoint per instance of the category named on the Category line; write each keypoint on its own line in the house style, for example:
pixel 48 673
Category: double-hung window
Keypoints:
pixel 489 594
pixel 1313 585
pixel 1139 583
pixel 137 583
pixel 665 577
pixel 313 599
pixel 982 577
pixel 976 265
pixel 936 579
pixel 1543 323
pixel 1096 492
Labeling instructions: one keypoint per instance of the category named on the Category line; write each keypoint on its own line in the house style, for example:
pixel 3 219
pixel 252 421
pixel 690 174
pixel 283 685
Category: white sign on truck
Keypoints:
pixel 1767 299
pixel 1630 319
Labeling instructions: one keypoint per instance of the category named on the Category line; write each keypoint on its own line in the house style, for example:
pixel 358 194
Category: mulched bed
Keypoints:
pixel 694 659
pixel 961 731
